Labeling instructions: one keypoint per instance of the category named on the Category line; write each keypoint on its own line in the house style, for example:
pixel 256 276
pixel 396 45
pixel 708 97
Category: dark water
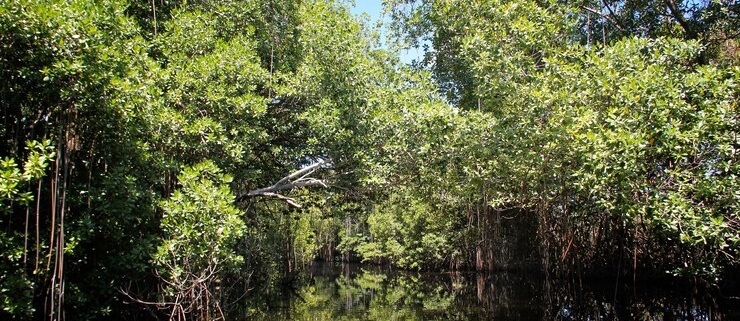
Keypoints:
pixel 355 292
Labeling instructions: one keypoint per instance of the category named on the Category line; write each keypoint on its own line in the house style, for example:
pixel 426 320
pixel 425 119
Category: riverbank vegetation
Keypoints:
pixel 170 158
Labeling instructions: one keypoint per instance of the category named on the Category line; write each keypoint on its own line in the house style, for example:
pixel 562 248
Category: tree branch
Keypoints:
pixel 615 19
pixel 303 172
pixel 606 16
pixel 678 15
pixel 291 201
pixel 298 178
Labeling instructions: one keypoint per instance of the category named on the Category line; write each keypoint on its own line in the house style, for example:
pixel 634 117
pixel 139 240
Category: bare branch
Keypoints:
pixel 288 200
pixel 275 188
pixel 298 178
pixel 303 172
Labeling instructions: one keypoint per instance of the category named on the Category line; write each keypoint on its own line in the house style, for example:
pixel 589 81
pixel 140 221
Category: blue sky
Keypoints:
pixel 372 7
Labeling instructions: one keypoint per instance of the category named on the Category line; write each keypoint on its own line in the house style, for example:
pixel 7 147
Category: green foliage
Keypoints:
pixel 13 181
pixel 482 50
pixel 410 233
pixel 201 229
pixel 630 143
pixel 16 287
pixel 652 140
pixel 200 223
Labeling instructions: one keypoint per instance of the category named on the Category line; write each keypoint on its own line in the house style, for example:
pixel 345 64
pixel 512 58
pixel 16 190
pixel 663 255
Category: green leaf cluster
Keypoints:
pixel 625 144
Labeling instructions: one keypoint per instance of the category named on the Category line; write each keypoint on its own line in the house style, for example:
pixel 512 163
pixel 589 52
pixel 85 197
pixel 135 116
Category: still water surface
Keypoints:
pixel 356 292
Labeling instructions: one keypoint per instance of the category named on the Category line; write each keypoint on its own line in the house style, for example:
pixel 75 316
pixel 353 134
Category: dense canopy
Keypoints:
pixel 153 152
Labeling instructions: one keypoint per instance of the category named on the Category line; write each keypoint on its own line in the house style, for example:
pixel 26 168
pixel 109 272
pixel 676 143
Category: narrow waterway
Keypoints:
pixel 356 292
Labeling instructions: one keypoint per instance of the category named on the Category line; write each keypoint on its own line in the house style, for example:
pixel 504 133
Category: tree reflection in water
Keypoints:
pixel 356 292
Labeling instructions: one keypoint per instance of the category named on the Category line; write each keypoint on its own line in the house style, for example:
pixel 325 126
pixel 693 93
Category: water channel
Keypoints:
pixel 359 292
